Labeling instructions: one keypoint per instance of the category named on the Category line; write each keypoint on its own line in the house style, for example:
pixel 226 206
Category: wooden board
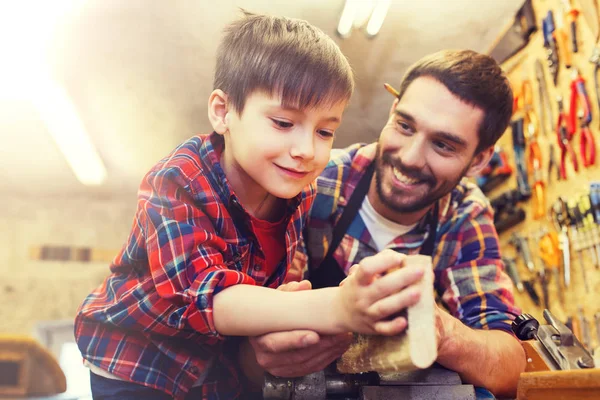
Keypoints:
pixel 416 348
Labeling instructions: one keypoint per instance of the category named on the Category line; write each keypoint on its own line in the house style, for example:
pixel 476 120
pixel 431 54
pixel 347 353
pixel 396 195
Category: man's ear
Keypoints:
pixel 480 161
pixel 218 107
pixel 394 104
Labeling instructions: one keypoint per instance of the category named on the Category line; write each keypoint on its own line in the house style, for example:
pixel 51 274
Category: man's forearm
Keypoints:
pixel 485 358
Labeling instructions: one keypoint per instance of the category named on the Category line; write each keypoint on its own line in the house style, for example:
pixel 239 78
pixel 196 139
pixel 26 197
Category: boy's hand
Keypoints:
pixel 300 352
pixel 375 290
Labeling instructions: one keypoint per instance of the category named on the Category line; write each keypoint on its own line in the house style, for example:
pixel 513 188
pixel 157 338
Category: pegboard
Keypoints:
pixel 522 66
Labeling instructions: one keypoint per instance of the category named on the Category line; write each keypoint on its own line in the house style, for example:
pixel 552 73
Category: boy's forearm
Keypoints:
pixel 246 310
pixel 485 358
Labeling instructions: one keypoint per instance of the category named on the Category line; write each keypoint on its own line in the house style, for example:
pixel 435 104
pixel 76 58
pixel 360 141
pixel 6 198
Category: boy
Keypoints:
pixel 217 225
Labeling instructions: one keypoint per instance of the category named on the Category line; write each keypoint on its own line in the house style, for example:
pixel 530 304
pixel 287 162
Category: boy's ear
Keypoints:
pixel 218 108
pixel 480 161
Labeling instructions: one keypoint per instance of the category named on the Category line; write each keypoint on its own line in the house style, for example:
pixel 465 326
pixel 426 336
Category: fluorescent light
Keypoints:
pixel 26 75
pixel 67 130
pixel 347 18
pixel 357 12
pixel 377 17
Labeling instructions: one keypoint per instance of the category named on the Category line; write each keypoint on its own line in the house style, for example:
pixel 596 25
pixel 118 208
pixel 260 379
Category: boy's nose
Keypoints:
pixel 303 145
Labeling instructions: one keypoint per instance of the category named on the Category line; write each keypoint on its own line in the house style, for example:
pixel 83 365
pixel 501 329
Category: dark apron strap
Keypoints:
pixel 329 273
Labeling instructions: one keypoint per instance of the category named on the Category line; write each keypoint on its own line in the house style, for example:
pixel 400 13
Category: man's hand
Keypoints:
pixel 293 353
pixel 376 289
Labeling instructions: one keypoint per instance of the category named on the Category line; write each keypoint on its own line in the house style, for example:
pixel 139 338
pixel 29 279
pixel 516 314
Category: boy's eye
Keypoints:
pixel 325 134
pixel 281 123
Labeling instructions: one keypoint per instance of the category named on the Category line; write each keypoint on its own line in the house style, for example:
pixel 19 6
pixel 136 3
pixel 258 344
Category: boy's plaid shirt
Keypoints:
pixel 151 320
pixel 469 274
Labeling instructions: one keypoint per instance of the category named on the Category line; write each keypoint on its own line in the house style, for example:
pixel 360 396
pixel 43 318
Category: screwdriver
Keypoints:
pixel 550 255
pixel 572 210
pixel 585 207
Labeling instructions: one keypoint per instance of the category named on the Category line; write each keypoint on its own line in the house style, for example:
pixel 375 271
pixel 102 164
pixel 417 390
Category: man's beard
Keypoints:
pixel 394 200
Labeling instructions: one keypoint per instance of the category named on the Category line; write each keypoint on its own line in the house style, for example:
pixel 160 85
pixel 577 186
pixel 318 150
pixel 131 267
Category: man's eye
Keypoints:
pixel 404 126
pixel 282 124
pixel 444 147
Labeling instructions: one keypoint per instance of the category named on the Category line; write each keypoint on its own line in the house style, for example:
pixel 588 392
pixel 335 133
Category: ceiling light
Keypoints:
pixel 358 12
pixel 66 129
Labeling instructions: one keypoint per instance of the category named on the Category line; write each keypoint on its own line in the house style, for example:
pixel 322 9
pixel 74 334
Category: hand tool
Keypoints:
pixel 579 95
pixel 590 227
pixel 584 236
pixel 513 273
pixel 541 273
pixel 534 156
pixel 518 137
pixel 595 200
pixel 546 119
pixel 562 42
pixel 558 343
pixel 548 29
pixel 585 329
pixel 552 164
pixel 576 240
pixel 587 144
pixel 506 212
pixel 496 172
pixel 530 289
pixel 522 246
pixel 564 141
pixel 516 36
pixel 595 59
pixel 550 255
pixel 560 217
pixel 535 165
pixel 571 15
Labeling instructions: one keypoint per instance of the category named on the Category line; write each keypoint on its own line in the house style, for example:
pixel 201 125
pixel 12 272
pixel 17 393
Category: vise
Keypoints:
pixel 435 382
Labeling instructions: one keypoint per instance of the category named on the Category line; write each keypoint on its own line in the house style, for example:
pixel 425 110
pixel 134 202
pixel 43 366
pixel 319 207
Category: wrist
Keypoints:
pixel 450 331
pixel 339 314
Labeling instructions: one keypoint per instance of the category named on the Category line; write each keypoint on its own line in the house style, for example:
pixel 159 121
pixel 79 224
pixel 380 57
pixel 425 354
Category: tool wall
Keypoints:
pixel 541 180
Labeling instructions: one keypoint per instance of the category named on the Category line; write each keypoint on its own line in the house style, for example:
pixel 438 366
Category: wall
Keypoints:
pixel 577 183
pixel 33 291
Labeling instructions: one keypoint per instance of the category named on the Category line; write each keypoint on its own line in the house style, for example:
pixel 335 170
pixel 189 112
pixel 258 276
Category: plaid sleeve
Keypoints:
pixel 470 273
pixel 185 257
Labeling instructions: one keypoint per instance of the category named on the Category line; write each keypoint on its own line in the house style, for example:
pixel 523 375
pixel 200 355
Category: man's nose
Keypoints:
pixel 413 152
pixel 303 144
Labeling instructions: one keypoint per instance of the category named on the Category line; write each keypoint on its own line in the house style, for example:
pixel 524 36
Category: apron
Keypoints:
pixel 329 273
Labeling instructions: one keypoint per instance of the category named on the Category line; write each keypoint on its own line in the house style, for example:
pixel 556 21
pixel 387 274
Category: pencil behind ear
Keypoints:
pixel 218 111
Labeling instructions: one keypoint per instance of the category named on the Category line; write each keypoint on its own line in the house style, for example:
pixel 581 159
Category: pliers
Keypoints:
pixel 587 145
pixel 563 139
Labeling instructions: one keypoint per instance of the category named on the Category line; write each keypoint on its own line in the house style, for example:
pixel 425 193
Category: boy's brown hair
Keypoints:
pixel 281 56
pixel 477 80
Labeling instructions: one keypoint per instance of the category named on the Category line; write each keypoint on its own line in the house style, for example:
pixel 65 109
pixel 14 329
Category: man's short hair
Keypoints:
pixel 281 56
pixel 477 80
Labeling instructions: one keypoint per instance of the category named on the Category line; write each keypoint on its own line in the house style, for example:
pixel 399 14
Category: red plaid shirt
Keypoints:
pixel 151 321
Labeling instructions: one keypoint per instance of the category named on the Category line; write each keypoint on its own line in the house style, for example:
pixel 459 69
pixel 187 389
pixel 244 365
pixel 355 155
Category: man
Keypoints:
pixel 451 108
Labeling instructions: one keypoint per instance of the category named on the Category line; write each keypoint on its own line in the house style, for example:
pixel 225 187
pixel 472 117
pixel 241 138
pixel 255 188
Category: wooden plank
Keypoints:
pixel 416 348
pixel 580 384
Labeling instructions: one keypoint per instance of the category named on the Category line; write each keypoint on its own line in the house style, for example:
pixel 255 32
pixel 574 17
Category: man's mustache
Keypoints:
pixel 412 173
